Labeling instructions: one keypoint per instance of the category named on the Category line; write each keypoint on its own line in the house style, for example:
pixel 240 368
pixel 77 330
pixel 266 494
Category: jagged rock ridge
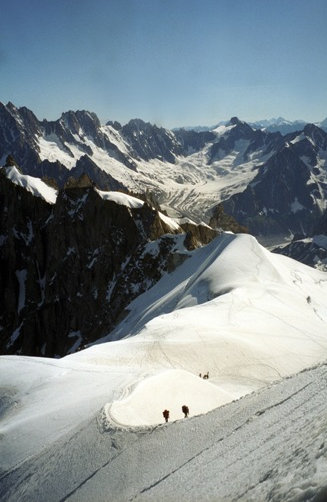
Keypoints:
pixel 270 183
pixel 69 269
pixel 288 194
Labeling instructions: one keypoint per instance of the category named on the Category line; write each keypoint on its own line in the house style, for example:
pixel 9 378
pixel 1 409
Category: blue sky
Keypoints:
pixel 172 62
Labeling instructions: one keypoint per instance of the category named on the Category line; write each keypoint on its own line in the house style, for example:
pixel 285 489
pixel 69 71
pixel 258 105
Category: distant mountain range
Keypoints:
pixel 272 183
pixel 278 124
pixel 120 268
pixel 285 126
pixel 92 215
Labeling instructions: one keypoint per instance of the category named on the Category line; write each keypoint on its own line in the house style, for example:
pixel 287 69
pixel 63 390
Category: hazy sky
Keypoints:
pixel 172 62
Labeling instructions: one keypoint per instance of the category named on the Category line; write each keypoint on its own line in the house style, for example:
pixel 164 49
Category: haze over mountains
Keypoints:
pixel 278 124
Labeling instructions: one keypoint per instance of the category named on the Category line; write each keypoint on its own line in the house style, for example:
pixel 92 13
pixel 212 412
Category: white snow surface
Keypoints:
pixel 172 387
pixel 189 187
pixel 52 149
pixel 121 199
pixel 34 185
pixel 223 129
pixel 135 203
pixel 93 419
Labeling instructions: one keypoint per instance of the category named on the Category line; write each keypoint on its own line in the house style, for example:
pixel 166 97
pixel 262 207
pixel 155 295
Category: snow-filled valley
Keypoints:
pixel 187 188
pixel 191 190
pixel 89 426
pixel 272 184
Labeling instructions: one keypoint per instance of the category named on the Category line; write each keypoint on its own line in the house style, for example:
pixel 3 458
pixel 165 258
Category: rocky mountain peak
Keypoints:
pixel 235 121
pixel 11 107
pixel 82 182
pixel 234 131
pixel 81 120
pixel 318 135
pixel 77 144
pixel 10 161
pixel 149 141
pixel 116 125
pixel 137 125
pixel 222 221
pixel 242 129
pixel 24 119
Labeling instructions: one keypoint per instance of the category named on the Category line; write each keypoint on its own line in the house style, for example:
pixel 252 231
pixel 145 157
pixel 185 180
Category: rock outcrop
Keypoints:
pixel 288 194
pixel 69 269
pixel 222 221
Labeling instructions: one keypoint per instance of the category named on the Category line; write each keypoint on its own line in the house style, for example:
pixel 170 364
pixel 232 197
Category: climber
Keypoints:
pixel 185 410
pixel 166 415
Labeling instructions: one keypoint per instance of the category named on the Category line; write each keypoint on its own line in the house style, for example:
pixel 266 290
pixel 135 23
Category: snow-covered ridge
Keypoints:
pixel 159 161
pixel 142 407
pixel 270 443
pixel 40 189
pixel 246 316
pixel 135 203
pixel 34 185
pixel 223 129
pixel 121 199
pixel 187 171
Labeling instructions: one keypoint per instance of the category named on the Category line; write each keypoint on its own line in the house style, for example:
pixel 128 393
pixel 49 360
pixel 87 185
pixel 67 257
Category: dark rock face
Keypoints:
pixel 287 194
pixel 10 161
pixel 321 226
pixel 225 222
pixel 20 131
pixel 68 270
pixel 192 141
pixel 318 136
pixel 198 235
pixel 149 141
pixel 101 179
pixel 17 134
pixel 116 125
pixel 257 139
pixel 20 215
pixel 310 251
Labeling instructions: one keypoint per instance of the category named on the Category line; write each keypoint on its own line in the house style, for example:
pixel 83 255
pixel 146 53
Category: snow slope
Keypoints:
pixel 133 202
pixel 268 446
pixel 40 189
pixel 34 185
pixel 248 317
pixel 191 185
pixel 176 185
pixel 121 199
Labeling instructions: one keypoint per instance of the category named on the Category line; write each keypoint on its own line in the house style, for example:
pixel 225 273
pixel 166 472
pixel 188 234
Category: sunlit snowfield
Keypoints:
pixel 247 316
pixel 188 188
